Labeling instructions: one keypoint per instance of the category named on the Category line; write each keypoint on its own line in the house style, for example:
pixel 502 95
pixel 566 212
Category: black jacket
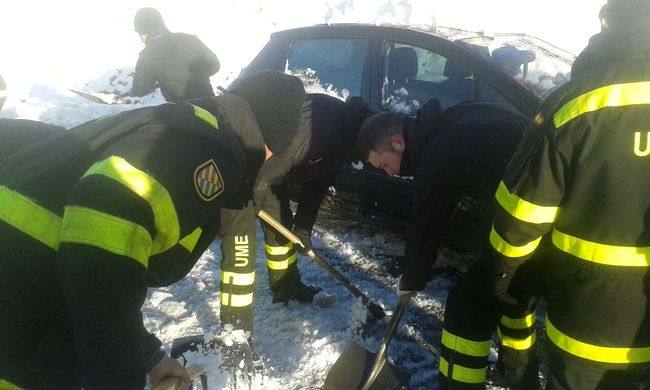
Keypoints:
pixel 179 63
pixel 93 216
pixel 19 133
pixel 581 174
pixel 325 143
pixel 461 152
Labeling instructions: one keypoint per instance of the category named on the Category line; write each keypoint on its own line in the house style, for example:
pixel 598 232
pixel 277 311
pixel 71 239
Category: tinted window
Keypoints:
pixel 332 66
pixel 413 75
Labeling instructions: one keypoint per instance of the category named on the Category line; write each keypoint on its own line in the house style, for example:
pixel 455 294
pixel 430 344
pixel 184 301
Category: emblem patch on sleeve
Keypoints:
pixel 208 181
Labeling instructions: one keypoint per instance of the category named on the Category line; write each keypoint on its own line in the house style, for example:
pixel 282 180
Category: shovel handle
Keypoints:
pixel 380 359
pixel 315 258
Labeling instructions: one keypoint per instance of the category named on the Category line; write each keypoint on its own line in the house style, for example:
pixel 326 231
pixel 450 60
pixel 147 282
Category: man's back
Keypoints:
pixel 179 63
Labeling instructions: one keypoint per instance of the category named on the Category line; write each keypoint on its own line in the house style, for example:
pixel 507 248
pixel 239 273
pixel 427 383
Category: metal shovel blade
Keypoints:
pixel 353 367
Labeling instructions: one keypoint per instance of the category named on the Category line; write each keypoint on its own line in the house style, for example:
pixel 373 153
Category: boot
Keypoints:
pixel 302 293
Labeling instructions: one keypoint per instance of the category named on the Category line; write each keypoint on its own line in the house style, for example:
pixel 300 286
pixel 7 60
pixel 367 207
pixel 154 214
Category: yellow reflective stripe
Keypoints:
pixel 518 344
pixel 205 116
pixel 234 300
pixel 616 95
pixel 621 256
pixel 5 385
pixel 281 264
pixel 164 213
pixel 503 247
pixel 30 218
pixel 464 346
pixel 189 241
pixel 237 279
pixel 278 250
pixel 518 323
pixel 522 209
pixel 82 225
pixel 595 352
pixel 463 374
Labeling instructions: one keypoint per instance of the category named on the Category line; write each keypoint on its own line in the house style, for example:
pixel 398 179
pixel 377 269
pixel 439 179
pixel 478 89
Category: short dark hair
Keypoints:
pixel 376 131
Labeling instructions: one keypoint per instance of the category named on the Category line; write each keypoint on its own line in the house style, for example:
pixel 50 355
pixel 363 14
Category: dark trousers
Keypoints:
pixel 238 246
pixel 280 254
pixel 472 316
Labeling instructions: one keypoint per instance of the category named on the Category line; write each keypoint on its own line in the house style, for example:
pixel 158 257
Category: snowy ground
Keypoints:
pixel 299 343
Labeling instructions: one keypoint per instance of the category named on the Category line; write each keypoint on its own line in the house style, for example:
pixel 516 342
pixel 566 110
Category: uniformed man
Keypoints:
pixel 93 216
pixel 453 156
pixel 581 175
pixel 180 64
pixel 325 144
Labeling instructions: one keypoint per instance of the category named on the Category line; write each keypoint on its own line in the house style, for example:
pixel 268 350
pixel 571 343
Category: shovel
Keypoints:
pixel 376 312
pixel 357 368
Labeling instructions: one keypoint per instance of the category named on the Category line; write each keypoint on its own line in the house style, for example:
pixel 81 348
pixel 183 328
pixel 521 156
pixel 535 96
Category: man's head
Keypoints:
pixel 510 59
pixel 603 18
pixel 276 101
pixel 619 13
pixel 381 141
pixel 148 22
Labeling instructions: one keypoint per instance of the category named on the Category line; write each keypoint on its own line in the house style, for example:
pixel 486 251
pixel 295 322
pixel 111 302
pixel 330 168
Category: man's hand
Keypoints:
pixel 169 368
pixel 414 279
pixel 305 237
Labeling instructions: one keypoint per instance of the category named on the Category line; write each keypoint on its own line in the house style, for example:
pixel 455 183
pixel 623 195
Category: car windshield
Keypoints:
pixel 534 63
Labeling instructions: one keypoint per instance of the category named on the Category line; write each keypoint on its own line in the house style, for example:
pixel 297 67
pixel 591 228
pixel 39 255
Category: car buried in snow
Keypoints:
pixel 399 68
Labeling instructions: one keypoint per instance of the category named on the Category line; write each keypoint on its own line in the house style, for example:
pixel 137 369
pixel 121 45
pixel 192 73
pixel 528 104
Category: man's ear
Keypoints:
pixel 397 142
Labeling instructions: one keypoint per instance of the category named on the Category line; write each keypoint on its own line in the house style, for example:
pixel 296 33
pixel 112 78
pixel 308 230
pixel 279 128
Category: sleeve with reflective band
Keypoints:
pixel 29 217
pixel 82 225
pixel 595 352
pixel 164 212
pixel 529 196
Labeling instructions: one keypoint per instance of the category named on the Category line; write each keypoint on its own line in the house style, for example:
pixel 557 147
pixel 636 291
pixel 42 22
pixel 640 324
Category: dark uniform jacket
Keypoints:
pixel 325 143
pixel 581 174
pixel 461 152
pixel 92 217
pixel 19 133
pixel 179 63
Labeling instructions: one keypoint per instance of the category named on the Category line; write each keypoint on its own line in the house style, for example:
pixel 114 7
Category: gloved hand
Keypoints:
pixel 414 278
pixel 305 237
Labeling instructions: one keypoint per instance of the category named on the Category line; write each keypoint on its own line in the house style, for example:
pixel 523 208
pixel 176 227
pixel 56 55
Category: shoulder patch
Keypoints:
pixel 208 181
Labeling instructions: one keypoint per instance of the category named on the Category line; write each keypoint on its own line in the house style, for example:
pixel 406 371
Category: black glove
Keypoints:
pixel 415 278
pixel 305 237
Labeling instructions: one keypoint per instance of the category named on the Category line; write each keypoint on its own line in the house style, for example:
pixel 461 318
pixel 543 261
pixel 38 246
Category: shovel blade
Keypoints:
pixel 352 368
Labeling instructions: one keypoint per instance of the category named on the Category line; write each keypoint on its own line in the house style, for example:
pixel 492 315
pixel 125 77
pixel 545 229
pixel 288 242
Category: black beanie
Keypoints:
pixel 276 101
pixel 620 12
pixel 148 20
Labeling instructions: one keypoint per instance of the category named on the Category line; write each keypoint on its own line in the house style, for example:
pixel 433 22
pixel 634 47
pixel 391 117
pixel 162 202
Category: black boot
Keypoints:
pixel 302 293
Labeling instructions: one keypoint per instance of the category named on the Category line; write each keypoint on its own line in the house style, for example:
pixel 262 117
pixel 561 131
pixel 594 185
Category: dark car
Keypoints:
pixel 393 68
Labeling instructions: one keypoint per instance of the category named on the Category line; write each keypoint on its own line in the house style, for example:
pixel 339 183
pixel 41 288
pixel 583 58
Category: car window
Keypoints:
pixel 413 75
pixel 330 65
pixel 537 65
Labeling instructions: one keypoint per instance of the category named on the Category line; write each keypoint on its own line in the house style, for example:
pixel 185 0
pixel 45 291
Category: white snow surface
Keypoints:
pixel 49 47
